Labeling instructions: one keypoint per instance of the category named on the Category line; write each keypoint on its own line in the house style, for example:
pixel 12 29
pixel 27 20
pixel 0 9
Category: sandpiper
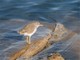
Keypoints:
pixel 29 29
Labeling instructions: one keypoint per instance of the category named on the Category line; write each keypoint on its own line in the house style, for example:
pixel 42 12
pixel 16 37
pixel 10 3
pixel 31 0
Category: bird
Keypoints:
pixel 29 30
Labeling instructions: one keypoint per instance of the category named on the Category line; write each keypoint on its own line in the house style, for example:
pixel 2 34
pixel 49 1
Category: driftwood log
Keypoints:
pixel 39 44
pixel 30 50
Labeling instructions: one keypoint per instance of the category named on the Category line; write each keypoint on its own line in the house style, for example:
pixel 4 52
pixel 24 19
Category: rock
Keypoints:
pixel 59 32
pixel 53 47
pixel 55 56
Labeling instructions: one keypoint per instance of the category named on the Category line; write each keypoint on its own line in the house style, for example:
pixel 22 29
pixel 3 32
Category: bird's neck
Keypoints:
pixel 37 26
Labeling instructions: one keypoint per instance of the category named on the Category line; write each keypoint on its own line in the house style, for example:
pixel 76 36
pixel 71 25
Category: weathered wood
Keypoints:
pixel 67 36
pixel 59 32
pixel 36 47
pixel 30 50
pixel 56 56
pixel 39 44
pixel 19 53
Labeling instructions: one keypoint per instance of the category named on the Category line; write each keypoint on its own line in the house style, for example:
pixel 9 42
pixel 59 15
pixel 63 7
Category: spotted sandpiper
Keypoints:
pixel 29 29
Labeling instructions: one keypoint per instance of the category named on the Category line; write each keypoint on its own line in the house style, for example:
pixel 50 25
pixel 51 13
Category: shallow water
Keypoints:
pixel 15 13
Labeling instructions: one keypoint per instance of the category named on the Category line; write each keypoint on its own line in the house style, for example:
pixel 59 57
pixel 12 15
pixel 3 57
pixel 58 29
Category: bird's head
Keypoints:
pixel 38 24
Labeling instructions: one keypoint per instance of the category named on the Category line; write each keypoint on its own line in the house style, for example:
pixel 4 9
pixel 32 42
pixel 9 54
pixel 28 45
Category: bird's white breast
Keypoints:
pixel 30 34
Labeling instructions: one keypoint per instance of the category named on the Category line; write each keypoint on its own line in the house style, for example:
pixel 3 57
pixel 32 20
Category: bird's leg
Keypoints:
pixel 29 40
